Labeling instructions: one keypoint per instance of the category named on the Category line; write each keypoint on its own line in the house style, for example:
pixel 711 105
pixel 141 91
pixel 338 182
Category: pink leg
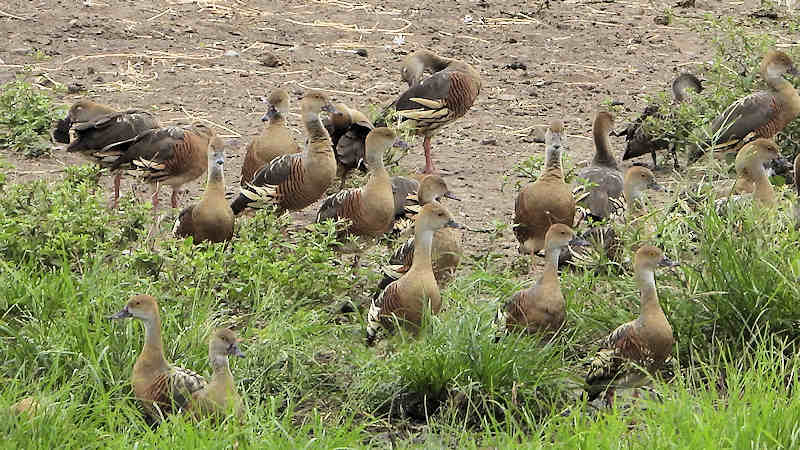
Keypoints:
pixel 428 161
pixel 155 196
pixel 174 197
pixel 610 397
pixel 117 181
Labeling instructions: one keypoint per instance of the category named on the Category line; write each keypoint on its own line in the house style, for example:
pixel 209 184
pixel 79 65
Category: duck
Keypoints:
pixel 98 126
pixel 546 201
pixel 369 209
pixel 645 341
pixel 446 249
pixel 762 114
pixel 171 155
pixel 433 102
pixel 603 238
pixel 159 386
pixel 603 173
pixel 219 397
pixel 429 188
pixel 408 297
pixel 541 307
pixel 638 141
pixel 211 219
pixel 751 177
pixel 274 141
pixel 348 129
pixel 405 191
pixel 295 181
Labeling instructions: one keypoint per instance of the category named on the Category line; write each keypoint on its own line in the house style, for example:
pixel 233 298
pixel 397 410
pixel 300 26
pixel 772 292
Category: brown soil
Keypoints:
pixel 213 60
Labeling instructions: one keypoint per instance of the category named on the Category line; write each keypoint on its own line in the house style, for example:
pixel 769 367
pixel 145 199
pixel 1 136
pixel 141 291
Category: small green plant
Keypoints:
pixel 26 116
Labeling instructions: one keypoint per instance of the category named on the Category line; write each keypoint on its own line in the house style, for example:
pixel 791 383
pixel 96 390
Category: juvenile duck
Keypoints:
pixel 408 297
pixel 439 99
pixel 646 341
pixel 348 129
pixel 750 173
pixel 161 387
pixel 540 308
pixel 212 218
pixel 546 201
pixel 638 140
pixel 99 126
pixel 171 155
pixel 219 397
pixel 637 181
pixel 274 141
pixel 761 114
pixel 297 180
pixel 369 209
pixel 602 173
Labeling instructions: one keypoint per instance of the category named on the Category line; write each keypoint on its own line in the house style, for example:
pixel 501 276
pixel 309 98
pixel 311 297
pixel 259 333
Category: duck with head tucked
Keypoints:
pixel 97 127
pixel 541 307
pixel 219 397
pixel 295 181
pixel 639 142
pixel 274 141
pixel 407 298
pixel 546 201
pixel 762 114
pixel 645 341
pixel 446 95
pixel 161 387
pixel 348 128
pixel 212 218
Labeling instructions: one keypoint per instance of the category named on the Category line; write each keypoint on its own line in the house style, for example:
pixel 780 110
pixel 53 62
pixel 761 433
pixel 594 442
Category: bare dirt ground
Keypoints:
pixel 216 60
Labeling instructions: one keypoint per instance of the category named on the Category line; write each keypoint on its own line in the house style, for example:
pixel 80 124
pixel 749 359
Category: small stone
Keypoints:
pixel 361 52
pixel 73 23
pixel 489 141
pixel 516 65
pixel 232 53
pixel 74 88
pixel 269 59
pixel 90 70
pixel 21 51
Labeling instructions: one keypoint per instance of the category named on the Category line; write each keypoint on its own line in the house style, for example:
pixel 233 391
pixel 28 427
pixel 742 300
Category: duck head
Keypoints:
pixel 278 105
pixel 316 101
pixel 377 142
pixel 637 180
pixel 648 258
pixel 776 64
pixel 684 85
pixel 223 342
pixel 434 217
pixel 142 307
pixel 433 188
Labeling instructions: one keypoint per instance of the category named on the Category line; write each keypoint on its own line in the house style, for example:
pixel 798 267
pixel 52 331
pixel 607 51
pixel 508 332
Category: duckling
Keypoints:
pixel 409 296
pixel 638 179
pixel 638 141
pixel 439 99
pixel 603 172
pixel 170 155
pixel 99 126
pixel 369 209
pixel 446 249
pixel 219 396
pixel 761 114
pixel 274 141
pixel 646 341
pixel 348 129
pixel 540 308
pixel 295 181
pixel 546 201
pixel 161 387
pixel 212 218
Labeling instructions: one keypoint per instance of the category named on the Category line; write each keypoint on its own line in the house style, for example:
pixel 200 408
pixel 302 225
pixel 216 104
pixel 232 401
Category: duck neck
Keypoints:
pixel 153 346
pixel 423 242
pixel 222 370
pixel 633 196
pixel 776 82
pixel 277 120
pixel 763 189
pixel 551 262
pixel 602 154
pixel 216 180
pixel 646 280
pixel 552 159
pixel 314 128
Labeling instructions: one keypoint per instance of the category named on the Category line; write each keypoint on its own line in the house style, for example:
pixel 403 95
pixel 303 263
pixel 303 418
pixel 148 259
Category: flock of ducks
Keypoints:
pixel 278 171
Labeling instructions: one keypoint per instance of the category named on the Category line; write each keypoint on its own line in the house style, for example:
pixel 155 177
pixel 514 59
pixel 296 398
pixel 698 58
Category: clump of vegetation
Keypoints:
pixel 26 116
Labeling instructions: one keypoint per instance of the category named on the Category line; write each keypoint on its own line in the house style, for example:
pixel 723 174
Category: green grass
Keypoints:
pixel 67 263
pixel 26 117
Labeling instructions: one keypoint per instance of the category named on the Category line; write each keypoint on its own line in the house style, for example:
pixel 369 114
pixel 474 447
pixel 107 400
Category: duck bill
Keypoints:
pixel 270 114
pixel 328 108
pixel 124 314
pixel 453 224
pixel 666 262
pixel 656 187
pixel 234 350
pixel 451 196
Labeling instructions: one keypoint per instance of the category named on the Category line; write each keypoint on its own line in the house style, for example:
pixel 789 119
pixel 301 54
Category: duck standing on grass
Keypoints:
pixel 646 341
